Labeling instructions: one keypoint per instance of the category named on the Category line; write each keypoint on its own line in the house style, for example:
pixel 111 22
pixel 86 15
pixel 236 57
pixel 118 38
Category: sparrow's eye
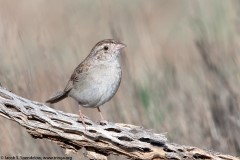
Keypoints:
pixel 105 48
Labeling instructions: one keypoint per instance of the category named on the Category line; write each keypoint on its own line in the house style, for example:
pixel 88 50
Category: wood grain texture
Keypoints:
pixel 100 139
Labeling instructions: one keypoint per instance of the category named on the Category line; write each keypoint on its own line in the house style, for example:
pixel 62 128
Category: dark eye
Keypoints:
pixel 105 48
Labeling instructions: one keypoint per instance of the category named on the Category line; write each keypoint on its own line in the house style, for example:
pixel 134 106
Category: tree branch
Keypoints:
pixel 100 140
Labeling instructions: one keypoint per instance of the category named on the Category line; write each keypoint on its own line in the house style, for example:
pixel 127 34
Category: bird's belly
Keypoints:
pixel 97 88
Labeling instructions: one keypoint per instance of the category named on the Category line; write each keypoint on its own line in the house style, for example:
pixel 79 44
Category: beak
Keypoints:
pixel 120 46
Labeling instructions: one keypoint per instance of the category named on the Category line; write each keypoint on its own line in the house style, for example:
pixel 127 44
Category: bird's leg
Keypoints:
pixel 82 119
pixel 102 119
pixel 102 122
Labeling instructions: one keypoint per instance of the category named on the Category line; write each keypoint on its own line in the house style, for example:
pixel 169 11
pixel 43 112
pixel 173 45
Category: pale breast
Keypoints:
pixel 110 83
pixel 98 86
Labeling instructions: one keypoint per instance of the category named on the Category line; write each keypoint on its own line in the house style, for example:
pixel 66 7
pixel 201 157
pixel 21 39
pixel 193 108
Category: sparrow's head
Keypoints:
pixel 107 50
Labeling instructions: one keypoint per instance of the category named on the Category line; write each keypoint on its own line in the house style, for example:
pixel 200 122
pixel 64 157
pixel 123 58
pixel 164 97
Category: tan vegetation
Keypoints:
pixel 181 67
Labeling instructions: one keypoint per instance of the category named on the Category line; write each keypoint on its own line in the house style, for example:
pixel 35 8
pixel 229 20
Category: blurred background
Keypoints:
pixel 181 67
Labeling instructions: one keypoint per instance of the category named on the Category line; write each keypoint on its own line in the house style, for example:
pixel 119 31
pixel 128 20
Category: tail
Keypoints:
pixel 58 97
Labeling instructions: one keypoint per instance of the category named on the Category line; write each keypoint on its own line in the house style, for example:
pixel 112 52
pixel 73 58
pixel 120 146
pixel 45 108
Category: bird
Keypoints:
pixel 96 79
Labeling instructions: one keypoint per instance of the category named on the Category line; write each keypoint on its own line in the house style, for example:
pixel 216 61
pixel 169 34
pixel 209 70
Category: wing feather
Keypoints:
pixel 82 68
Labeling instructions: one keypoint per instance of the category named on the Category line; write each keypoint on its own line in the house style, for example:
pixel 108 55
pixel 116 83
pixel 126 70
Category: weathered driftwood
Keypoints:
pixel 99 140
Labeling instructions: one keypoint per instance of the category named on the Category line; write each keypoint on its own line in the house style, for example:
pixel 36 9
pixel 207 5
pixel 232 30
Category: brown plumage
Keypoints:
pixel 95 80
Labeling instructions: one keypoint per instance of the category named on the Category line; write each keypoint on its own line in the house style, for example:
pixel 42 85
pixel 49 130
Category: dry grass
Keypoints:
pixel 180 75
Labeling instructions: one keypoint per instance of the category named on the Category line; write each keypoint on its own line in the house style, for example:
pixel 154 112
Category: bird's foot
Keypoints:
pixel 102 122
pixel 81 118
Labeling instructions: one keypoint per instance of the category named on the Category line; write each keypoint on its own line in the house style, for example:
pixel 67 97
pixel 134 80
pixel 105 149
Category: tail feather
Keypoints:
pixel 58 97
